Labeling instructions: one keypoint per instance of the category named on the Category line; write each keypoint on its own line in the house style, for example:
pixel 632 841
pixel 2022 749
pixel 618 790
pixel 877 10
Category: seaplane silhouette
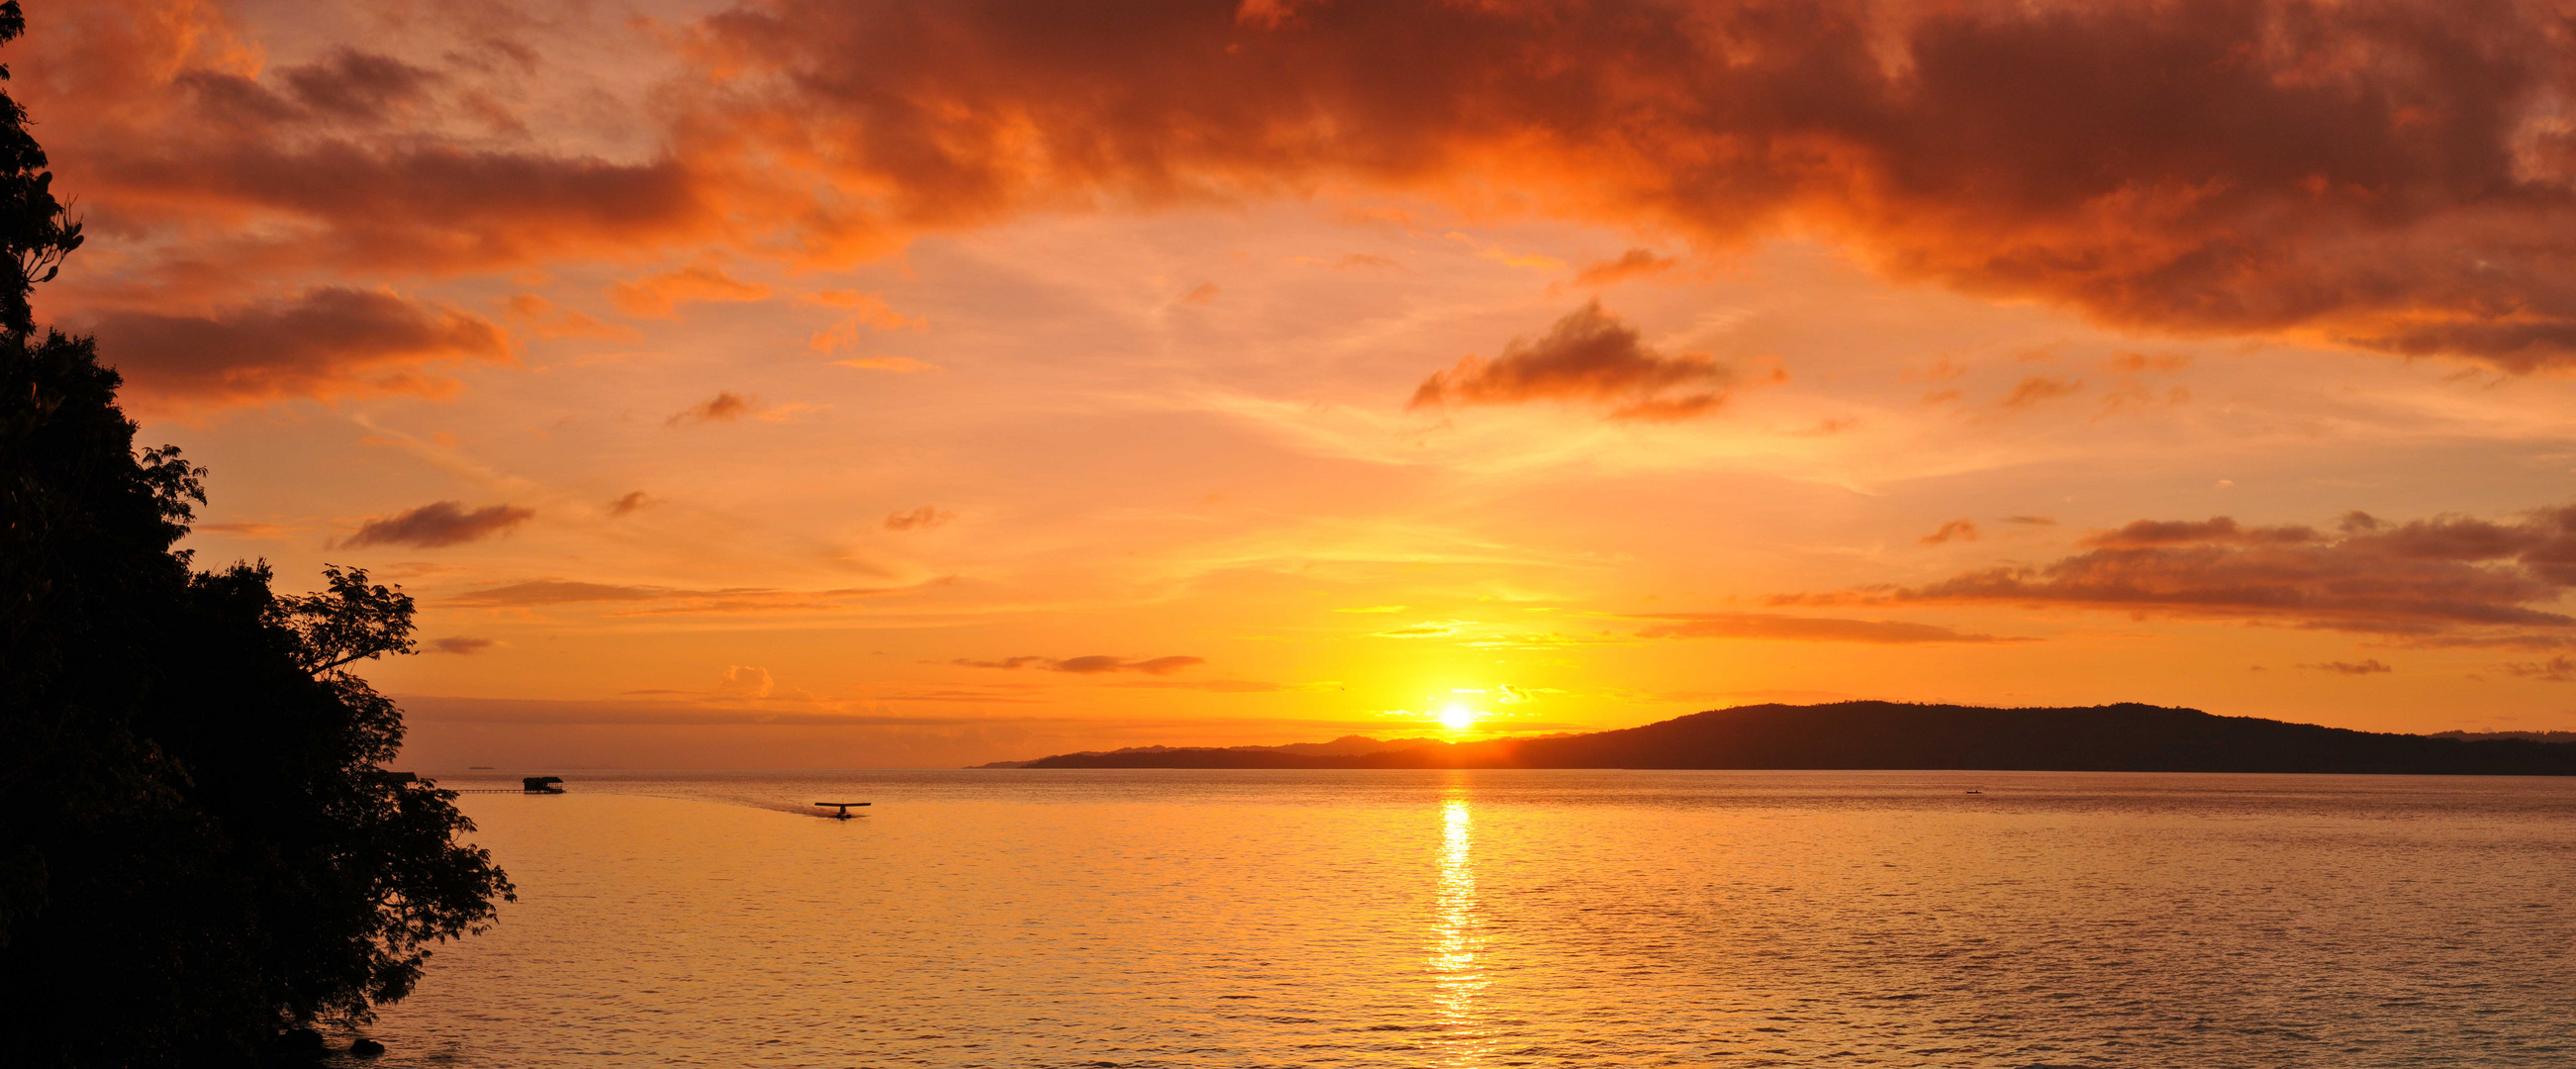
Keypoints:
pixel 843 810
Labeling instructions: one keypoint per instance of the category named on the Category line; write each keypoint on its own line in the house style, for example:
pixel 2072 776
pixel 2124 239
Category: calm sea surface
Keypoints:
pixel 1158 918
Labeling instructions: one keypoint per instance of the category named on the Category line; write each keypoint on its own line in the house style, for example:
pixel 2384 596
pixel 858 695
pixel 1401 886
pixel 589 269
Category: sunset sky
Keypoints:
pixel 819 384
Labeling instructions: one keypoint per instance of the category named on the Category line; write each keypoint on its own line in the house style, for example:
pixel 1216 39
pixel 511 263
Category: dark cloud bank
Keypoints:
pixel 2442 581
pixel 2394 176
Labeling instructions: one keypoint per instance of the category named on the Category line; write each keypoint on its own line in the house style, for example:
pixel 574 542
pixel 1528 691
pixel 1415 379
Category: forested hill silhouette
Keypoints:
pixel 1889 735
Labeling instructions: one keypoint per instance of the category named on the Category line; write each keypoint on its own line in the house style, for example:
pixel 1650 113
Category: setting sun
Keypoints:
pixel 991 529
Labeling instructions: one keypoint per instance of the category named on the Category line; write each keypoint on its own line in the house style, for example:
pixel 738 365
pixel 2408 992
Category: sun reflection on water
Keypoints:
pixel 1457 964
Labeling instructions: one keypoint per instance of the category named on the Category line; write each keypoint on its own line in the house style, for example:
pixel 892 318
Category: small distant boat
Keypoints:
pixel 541 784
pixel 843 810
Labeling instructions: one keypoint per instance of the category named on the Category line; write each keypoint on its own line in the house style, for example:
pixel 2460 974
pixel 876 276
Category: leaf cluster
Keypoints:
pixel 36 231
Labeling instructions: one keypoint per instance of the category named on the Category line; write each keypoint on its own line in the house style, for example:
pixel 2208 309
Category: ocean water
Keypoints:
pixel 1515 918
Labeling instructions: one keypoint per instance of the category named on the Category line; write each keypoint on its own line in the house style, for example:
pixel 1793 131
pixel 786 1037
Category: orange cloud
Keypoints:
pixel 869 308
pixel 2386 177
pixel 245 529
pixel 2037 388
pixel 1633 264
pixel 438 524
pixel 1587 356
pixel 637 599
pixel 2445 581
pixel 1212 686
pixel 2135 363
pixel 1959 530
pixel 358 85
pixel 557 592
pixel 900 365
pixel 2554 670
pixel 1269 14
pixel 1095 664
pixel 745 681
pixel 1756 625
pixel 541 317
pixel 659 296
pixel 2369 666
pixel 165 119
pixel 920 519
pixel 1425 629
pixel 725 407
pixel 329 342
pixel 2216 529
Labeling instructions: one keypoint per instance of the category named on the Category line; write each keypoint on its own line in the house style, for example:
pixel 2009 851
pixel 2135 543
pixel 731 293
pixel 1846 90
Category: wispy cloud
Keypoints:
pixel 2368 667
pixel 2037 389
pixel 725 407
pixel 919 519
pixel 1426 629
pixel 1212 686
pixel 2553 670
pixel 2448 580
pixel 246 529
pixel 1629 266
pixel 1094 664
pixel 1783 627
pixel 659 296
pixel 649 600
pixel 437 525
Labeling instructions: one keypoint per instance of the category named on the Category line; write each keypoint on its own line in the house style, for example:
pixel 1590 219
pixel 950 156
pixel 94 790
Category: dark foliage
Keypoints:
pixel 195 847
pixel 1890 735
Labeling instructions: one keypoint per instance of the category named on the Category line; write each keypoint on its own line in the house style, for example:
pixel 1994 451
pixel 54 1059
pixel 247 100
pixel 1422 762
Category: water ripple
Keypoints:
pixel 1465 919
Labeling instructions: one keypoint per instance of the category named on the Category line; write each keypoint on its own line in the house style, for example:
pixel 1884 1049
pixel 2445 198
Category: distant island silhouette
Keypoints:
pixel 2127 737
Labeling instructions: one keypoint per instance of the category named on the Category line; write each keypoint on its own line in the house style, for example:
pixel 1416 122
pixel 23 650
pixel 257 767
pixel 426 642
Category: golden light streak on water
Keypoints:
pixel 1457 961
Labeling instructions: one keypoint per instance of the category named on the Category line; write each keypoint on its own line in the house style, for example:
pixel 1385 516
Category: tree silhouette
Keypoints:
pixel 196 848
pixel 37 231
